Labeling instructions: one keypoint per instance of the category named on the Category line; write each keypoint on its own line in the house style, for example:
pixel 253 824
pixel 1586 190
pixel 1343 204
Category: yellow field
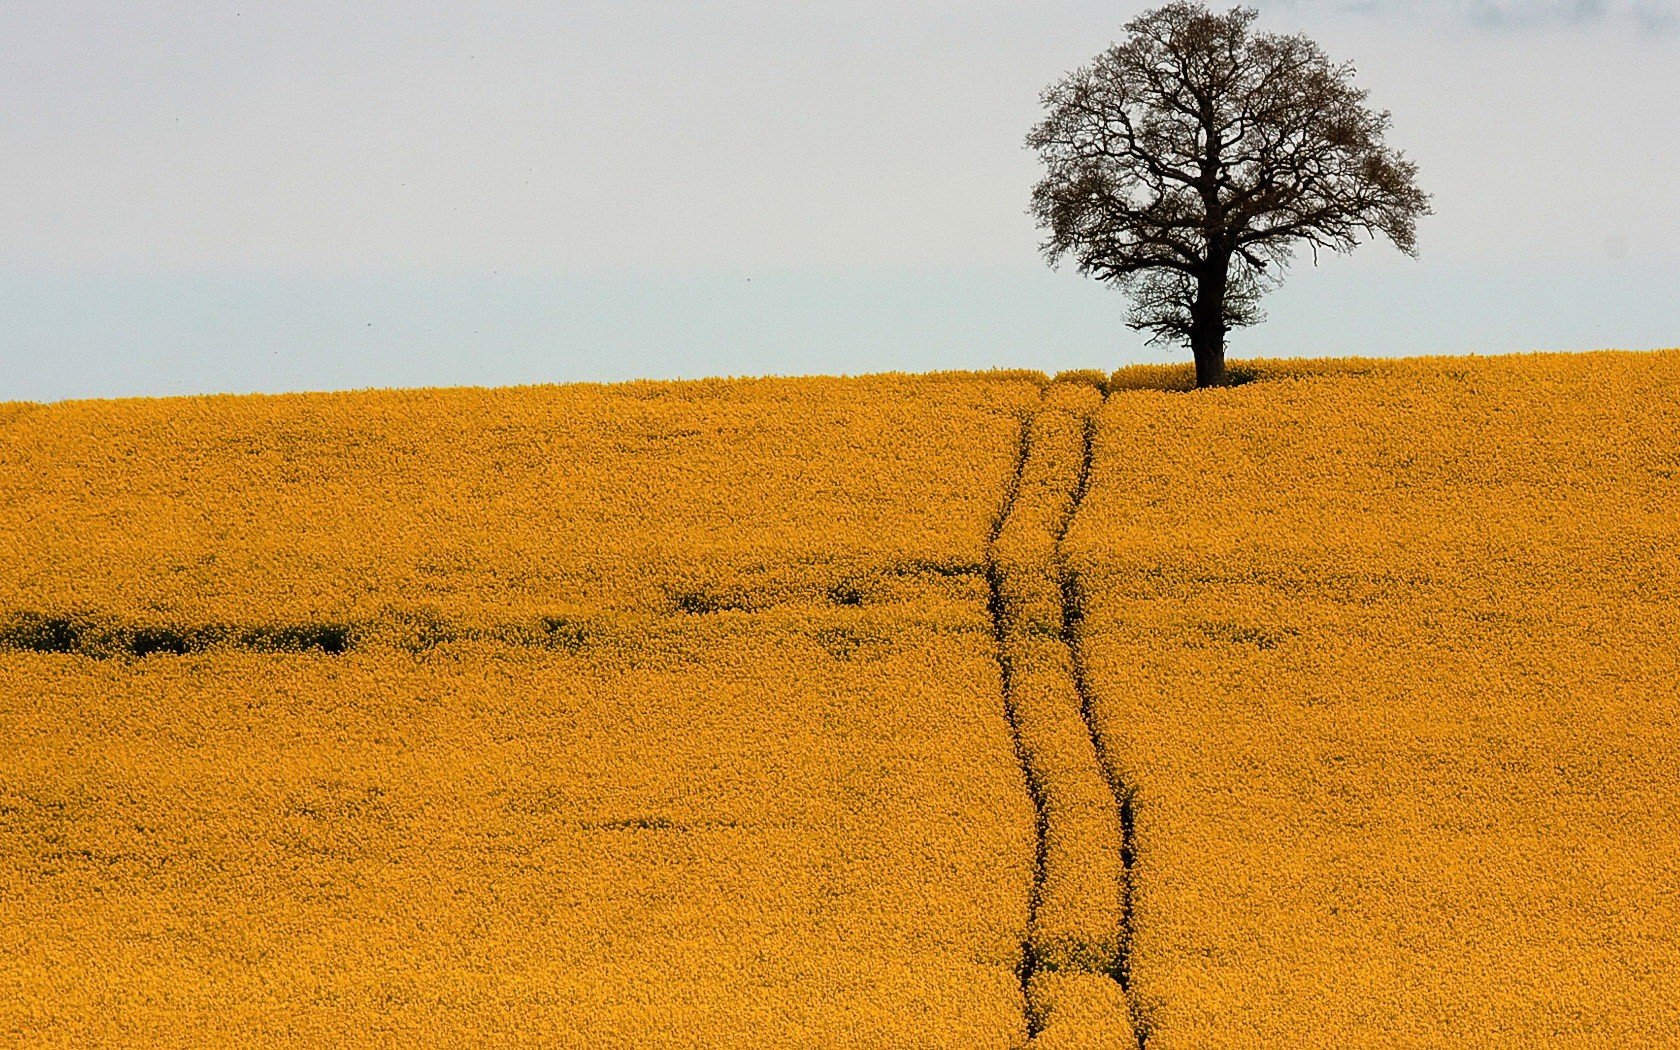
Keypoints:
pixel 655 715
pixel 1387 654
pixel 483 506
pixel 730 833
pixel 1333 709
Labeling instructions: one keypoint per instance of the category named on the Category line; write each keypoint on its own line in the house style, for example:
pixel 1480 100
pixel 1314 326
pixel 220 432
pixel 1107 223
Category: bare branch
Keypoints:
pixel 1187 163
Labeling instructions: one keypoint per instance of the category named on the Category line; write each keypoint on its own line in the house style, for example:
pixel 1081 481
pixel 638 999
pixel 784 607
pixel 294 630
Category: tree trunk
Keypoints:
pixel 1208 346
pixel 1207 325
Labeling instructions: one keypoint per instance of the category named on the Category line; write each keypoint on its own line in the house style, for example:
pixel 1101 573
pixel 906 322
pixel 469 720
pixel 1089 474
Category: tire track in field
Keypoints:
pixel 1073 619
pixel 1074 970
pixel 995 605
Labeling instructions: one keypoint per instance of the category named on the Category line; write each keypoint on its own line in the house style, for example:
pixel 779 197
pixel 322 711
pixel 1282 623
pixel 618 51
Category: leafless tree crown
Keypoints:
pixel 1186 164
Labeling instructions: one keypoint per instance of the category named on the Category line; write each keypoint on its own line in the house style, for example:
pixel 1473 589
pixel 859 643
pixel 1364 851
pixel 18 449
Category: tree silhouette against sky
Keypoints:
pixel 1187 163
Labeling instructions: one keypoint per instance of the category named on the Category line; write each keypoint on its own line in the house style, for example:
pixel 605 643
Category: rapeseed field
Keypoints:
pixel 1385 654
pixel 485 506
pixel 656 715
pixel 725 832
pixel 1336 708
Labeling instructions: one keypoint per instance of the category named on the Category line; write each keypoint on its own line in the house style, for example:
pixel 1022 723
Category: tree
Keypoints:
pixel 1186 164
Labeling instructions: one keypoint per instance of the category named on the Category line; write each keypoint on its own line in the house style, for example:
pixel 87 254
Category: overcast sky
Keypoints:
pixel 290 195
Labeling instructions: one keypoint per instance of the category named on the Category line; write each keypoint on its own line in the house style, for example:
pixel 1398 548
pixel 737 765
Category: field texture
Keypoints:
pixel 1385 654
pixel 1337 708
pixel 663 715
pixel 484 507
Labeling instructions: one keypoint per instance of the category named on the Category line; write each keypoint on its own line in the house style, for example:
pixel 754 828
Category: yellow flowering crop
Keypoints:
pixel 719 832
pixel 657 715
pixel 1386 654
pixel 481 506
pixel 1335 709
pixel 1072 990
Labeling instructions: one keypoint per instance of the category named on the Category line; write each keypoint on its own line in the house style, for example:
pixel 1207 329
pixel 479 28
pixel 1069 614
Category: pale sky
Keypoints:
pixel 218 196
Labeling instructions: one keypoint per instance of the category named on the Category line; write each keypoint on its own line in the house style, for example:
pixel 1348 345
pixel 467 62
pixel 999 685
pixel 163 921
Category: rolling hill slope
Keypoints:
pixel 1336 708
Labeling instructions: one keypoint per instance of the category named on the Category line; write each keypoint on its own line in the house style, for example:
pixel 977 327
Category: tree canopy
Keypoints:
pixel 1187 164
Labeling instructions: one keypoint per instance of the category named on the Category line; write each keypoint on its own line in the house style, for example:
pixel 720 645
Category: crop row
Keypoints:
pixel 900 594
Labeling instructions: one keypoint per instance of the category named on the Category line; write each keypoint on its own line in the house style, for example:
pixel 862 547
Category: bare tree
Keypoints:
pixel 1188 162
